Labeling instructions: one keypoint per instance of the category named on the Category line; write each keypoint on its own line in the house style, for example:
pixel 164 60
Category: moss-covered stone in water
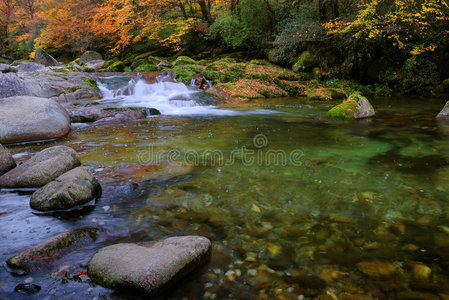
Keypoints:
pixel 355 107
pixel 305 62
pixel 118 66
pixel 52 249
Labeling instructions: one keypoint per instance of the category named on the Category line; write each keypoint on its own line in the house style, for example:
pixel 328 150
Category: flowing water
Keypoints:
pixel 293 204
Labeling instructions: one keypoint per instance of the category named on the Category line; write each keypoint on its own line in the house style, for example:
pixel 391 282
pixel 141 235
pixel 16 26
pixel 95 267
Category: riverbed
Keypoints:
pixel 294 204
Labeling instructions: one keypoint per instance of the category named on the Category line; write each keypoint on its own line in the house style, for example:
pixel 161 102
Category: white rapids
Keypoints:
pixel 168 95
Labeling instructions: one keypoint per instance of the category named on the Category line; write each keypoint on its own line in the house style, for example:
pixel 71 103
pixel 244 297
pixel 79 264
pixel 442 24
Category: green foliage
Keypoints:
pixel 246 27
pixel 420 75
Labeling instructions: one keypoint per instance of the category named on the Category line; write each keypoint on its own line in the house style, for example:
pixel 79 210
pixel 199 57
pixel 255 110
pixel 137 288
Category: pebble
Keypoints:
pixel 252 272
pixel 251 256
pixel 376 269
pixel 421 271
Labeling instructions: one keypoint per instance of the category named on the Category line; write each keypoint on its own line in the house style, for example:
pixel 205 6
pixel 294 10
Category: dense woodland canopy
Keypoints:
pixel 349 36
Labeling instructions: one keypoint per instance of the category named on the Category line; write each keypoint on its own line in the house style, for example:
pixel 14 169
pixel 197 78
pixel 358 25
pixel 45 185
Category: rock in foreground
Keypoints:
pixel 42 168
pixel 148 267
pixel 444 113
pixel 355 107
pixel 24 119
pixel 76 187
pixel 52 249
pixel 7 162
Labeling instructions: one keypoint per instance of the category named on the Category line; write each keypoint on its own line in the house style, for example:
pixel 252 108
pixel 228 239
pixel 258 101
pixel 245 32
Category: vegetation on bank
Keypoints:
pixel 394 46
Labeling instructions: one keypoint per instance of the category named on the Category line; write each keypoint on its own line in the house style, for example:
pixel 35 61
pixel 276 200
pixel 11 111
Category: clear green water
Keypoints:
pixel 295 205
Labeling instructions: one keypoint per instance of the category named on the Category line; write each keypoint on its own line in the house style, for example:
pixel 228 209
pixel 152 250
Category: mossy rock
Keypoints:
pixel 118 66
pixel 355 107
pixel 89 70
pixel 273 57
pixel 305 62
pixel 49 251
pixel 144 56
pixel 183 60
pixel 90 82
pixel 185 73
pixel 153 60
pixel 147 68
pixel 165 64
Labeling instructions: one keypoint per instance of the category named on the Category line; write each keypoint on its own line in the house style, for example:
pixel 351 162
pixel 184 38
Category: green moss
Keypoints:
pixel 12 262
pixel 343 111
pixel 183 60
pixel 147 68
pixel 90 82
pixel 89 70
pixel 61 70
pixel 118 66
pixel 348 109
pixel 305 62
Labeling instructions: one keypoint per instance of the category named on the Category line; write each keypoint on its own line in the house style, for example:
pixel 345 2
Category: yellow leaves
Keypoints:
pixel 405 23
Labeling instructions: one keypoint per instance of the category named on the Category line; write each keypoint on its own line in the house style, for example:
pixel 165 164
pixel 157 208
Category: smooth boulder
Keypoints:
pixel 43 58
pixel 42 168
pixel 148 267
pixel 444 113
pixel 24 118
pixel 90 56
pixel 7 162
pixel 355 107
pixel 40 255
pixel 76 187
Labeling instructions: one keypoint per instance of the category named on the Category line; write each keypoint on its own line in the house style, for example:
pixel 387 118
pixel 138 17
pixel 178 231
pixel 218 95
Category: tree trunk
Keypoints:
pixel 205 11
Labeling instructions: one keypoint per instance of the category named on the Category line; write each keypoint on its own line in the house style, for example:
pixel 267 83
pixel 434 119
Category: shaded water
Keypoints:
pixel 293 204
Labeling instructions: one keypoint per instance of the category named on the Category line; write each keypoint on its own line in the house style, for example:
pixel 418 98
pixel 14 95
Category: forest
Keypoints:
pixel 398 45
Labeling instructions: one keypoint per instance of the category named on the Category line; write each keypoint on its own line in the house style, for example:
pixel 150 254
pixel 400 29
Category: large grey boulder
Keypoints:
pixel 52 249
pixel 24 119
pixel 43 58
pixel 94 64
pixel 444 113
pixel 148 267
pixel 76 187
pixel 42 168
pixel 89 56
pixel 7 162
pixel 12 85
